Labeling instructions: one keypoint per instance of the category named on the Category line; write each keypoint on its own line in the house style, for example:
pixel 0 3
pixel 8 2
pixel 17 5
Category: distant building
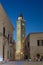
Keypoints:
pixel 20 38
pixel 34 45
pixel 6 36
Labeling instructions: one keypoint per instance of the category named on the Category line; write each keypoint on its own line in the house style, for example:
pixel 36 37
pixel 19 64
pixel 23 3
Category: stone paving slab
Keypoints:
pixel 21 63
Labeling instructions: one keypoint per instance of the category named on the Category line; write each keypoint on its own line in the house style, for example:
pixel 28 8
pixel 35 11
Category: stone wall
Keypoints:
pixel 34 48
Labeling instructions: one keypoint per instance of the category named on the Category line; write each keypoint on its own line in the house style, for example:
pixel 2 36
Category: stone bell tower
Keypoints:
pixel 20 38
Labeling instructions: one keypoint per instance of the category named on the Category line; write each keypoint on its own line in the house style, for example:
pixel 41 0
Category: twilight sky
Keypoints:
pixel 32 11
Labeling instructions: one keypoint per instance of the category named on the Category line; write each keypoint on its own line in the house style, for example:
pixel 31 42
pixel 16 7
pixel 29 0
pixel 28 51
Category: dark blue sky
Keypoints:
pixel 32 11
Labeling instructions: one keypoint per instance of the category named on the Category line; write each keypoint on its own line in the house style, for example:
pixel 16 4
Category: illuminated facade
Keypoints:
pixel 6 36
pixel 34 45
pixel 20 38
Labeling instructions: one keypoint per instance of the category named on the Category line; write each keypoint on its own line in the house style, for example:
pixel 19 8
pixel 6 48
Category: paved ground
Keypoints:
pixel 21 63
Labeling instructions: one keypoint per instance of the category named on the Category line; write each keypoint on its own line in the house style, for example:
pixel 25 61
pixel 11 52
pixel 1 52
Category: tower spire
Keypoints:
pixel 21 15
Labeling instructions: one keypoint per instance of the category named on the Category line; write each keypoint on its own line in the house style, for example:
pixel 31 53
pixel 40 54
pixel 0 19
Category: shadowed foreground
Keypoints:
pixel 21 63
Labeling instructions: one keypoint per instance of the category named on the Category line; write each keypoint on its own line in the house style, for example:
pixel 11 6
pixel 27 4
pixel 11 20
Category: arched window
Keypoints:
pixel 8 36
pixel 3 31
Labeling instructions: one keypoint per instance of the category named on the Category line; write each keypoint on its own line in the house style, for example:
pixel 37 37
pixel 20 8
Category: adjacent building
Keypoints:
pixel 20 38
pixel 34 45
pixel 6 36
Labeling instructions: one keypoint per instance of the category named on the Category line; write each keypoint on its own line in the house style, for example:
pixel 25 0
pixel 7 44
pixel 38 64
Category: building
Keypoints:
pixel 20 38
pixel 6 36
pixel 14 49
pixel 34 45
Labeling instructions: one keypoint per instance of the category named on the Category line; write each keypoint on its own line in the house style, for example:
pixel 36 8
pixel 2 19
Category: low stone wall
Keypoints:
pixel 22 63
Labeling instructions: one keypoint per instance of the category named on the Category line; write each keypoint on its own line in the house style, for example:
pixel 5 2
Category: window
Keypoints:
pixel 3 31
pixel 8 37
pixel 40 42
pixel 23 23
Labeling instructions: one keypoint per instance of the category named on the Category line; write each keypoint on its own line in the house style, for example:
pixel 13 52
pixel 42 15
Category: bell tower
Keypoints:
pixel 20 37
